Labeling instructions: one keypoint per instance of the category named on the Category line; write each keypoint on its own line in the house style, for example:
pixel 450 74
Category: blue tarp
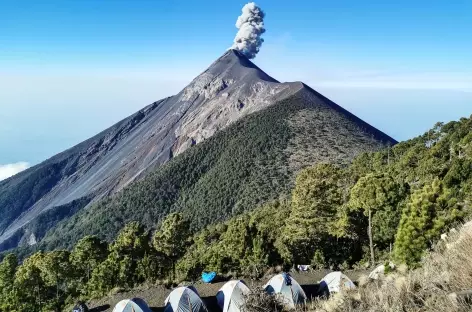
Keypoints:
pixel 208 277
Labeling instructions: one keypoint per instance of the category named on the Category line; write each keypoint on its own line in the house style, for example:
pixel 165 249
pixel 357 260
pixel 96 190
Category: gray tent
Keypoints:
pixel 287 289
pixel 335 282
pixel 230 297
pixel 132 305
pixel 184 299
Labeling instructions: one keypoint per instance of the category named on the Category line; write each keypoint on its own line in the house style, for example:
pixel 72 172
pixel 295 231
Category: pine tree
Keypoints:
pixel 87 254
pixel 428 212
pixel 172 238
pixel 104 277
pixel 120 268
pixel 150 267
pixel 56 272
pixel 7 277
pixel 32 291
pixel 131 240
pixel 236 241
pixel 256 258
pixel 126 252
pixel 315 201
pixel 378 196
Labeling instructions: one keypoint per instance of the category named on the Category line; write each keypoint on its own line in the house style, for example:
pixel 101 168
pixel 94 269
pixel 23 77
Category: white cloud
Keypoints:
pixel 9 170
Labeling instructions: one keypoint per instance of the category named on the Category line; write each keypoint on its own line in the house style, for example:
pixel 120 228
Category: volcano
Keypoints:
pixel 230 90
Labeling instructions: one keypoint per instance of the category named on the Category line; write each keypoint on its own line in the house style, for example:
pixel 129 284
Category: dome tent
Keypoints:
pixel 287 289
pixel 230 297
pixel 335 281
pixel 184 299
pixel 132 305
pixel 380 271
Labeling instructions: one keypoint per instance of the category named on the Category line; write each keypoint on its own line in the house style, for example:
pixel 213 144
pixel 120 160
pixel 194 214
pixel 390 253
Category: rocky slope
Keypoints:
pixel 231 88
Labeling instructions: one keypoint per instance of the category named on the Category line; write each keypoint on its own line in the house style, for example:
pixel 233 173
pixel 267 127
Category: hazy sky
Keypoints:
pixel 69 69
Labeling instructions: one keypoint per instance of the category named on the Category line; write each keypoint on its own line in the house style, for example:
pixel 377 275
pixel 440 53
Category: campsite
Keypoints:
pixel 233 156
pixel 155 296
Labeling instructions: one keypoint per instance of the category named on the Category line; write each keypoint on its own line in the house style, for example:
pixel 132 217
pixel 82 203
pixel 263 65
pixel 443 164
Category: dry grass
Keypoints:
pixel 261 301
pixel 446 270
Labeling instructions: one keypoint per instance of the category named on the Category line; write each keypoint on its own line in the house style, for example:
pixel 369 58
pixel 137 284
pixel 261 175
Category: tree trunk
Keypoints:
pixel 39 298
pixel 173 270
pixel 57 308
pixel 371 242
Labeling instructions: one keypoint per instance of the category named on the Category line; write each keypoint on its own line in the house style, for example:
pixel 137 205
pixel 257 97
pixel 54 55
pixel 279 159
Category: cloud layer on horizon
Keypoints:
pixel 9 170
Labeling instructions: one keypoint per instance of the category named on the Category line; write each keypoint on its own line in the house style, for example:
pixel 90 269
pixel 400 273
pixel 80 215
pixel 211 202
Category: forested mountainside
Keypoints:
pixel 414 191
pixel 251 162
pixel 231 88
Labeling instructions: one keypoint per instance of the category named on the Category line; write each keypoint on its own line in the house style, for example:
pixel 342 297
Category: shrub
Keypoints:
pixel 260 301
pixel 446 271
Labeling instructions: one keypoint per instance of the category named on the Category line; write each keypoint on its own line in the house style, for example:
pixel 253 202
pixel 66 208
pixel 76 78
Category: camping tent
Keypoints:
pixel 335 281
pixel 184 299
pixel 303 267
pixel 380 271
pixel 287 288
pixel 230 297
pixel 132 305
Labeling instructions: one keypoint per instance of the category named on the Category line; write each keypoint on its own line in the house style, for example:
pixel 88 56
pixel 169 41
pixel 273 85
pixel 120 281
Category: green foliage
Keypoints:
pixel 30 289
pixel 318 261
pixel 256 259
pixel 56 273
pixel 123 267
pixel 7 277
pixel 383 196
pixel 241 162
pixel 244 244
pixel 87 254
pixel 430 210
pixel 104 277
pixel 132 240
pixel 151 267
pixel 249 163
pixel 413 191
pixel 317 197
pixel 126 252
pixel 172 238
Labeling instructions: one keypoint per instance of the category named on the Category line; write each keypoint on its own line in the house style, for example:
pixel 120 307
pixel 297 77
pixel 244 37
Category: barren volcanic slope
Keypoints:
pixel 312 129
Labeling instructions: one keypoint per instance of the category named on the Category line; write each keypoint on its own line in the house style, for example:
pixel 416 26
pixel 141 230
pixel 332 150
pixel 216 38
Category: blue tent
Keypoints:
pixel 208 277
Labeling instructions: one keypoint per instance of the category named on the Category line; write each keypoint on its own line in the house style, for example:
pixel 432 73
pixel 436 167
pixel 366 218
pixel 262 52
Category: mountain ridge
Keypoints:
pixel 231 88
pixel 253 161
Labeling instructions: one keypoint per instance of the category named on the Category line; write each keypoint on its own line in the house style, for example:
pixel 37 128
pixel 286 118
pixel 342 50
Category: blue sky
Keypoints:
pixel 69 69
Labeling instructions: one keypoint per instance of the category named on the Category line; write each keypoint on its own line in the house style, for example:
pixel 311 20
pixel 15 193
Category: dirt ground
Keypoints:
pixel 156 295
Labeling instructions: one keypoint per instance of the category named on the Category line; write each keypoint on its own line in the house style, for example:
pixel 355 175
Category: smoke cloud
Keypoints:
pixel 251 27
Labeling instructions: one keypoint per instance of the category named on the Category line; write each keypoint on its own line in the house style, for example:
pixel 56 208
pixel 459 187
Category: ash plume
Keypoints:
pixel 251 27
